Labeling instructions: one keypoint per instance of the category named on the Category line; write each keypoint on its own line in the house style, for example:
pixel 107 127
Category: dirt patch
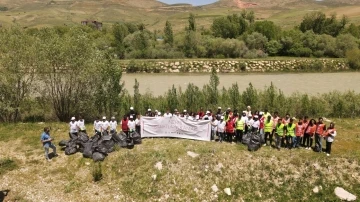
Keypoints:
pixel 242 4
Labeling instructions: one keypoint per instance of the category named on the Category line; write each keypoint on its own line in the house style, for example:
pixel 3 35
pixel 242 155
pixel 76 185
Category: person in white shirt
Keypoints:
pixel 214 125
pixel 74 128
pixel 248 123
pixel 256 124
pixel 81 124
pixel 97 126
pixel 105 125
pixel 248 111
pixel 137 123
pixel 221 128
pixel 131 124
pixel 167 114
pixel 113 125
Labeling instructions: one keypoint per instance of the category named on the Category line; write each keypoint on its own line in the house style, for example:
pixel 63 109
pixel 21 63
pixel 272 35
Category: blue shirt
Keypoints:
pixel 45 136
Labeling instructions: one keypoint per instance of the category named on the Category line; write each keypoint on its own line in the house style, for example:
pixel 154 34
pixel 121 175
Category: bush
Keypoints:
pixel 353 57
pixel 97 172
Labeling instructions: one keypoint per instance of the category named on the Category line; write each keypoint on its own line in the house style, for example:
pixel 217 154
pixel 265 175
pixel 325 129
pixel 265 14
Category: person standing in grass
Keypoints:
pixel 221 128
pixel 74 128
pixel 230 128
pixel 105 126
pixel 280 132
pixel 309 133
pixel 299 132
pixel 305 124
pixel 275 122
pixel 113 125
pixel 97 126
pixel 290 132
pixel 268 128
pixel 124 125
pixel 329 137
pixel 47 143
pixel 319 132
pixel 81 124
pixel 240 126
pixel 214 124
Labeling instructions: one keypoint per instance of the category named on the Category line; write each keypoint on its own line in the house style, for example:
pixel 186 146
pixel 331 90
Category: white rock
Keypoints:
pixel 214 188
pixel 158 165
pixel 316 190
pixel 192 154
pixel 153 177
pixel 344 195
pixel 87 163
pixel 196 190
pixel 227 191
pixel 218 167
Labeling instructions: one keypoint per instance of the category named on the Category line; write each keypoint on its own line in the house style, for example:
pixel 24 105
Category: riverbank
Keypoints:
pixel 282 64
pixel 128 175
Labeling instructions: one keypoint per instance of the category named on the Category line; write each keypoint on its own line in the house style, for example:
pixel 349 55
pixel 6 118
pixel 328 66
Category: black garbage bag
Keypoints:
pixel 97 156
pixel 246 138
pixel 255 142
pixel 108 143
pixel 73 136
pixel 136 137
pixel 88 150
pixel 95 138
pixel 63 143
pixel 83 137
pixel 120 139
pixel 70 150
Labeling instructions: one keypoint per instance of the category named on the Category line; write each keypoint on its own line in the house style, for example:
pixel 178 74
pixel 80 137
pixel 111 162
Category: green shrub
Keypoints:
pixel 353 57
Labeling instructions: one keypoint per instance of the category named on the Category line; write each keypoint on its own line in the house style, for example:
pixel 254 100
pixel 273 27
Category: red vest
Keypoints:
pixel 230 126
pixel 124 125
pixel 299 130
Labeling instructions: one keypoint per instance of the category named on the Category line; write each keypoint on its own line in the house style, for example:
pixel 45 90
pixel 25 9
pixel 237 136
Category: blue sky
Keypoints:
pixel 193 2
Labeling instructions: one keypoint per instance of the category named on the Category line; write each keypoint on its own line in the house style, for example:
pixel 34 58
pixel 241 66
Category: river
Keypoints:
pixel 310 83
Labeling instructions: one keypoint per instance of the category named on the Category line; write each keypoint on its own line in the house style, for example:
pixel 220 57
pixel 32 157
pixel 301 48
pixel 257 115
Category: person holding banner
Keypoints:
pixel 214 124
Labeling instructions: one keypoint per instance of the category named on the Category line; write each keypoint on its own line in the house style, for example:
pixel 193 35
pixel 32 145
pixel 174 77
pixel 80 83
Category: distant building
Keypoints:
pixel 96 24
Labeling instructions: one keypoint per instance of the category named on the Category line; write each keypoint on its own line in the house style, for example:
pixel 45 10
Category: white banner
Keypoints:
pixel 175 127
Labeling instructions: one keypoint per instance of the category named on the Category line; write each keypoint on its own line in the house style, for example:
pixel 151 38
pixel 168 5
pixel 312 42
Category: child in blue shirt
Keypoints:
pixel 46 140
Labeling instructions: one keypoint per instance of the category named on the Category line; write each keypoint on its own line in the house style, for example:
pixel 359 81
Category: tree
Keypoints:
pixel 68 70
pixel 250 96
pixel 234 95
pixel 353 57
pixel 120 31
pixel 268 29
pixel 19 63
pixel 230 26
pixel 192 23
pixel 353 30
pixel 256 41
pixel 190 43
pixel 273 47
pixel 172 98
pixel 168 34
pixel 137 96
pixel 213 87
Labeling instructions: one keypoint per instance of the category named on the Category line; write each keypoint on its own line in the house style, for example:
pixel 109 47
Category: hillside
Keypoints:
pixel 32 13
pixel 128 175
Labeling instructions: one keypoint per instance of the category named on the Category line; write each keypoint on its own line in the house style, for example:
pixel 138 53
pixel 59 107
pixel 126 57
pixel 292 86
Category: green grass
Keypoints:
pixel 267 174
pixel 7 164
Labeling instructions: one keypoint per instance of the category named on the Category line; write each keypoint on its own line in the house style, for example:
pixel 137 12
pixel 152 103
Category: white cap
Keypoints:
pixel 131 117
pixel 250 115
pixel 131 108
pixel 149 110
pixel 222 117
pixel 159 113
pixel 156 110
pixel 207 112
pixel 261 113
pixel 248 106
pixel 244 111
pixel 175 110
pixel 104 117
pixel 73 118
pixel 185 110
pixel 256 116
pixel 113 117
pixel 219 107
pixel 228 108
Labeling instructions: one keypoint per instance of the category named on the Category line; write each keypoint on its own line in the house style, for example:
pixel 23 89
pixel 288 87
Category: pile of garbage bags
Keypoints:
pixel 253 140
pixel 97 147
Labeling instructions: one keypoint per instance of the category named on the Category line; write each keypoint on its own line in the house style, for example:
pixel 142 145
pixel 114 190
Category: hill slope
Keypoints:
pixel 153 14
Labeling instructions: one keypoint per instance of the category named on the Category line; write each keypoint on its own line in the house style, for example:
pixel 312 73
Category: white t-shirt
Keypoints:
pixel 244 118
pixel 256 124
pixel 190 118
pixel 97 125
pixel 113 125
pixel 73 127
pixel 81 124
pixel 137 122
pixel 249 122
pixel 131 125
pixel 214 125
pixel 221 127
pixel 105 125
pixel 167 115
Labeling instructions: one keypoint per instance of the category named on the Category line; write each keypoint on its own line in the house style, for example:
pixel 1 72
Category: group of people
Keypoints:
pixel 228 126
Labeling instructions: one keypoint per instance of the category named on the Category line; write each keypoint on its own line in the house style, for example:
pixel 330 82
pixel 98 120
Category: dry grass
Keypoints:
pixel 265 175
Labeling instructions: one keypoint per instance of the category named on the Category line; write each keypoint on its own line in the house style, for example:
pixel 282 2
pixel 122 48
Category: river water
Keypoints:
pixel 192 2
pixel 310 83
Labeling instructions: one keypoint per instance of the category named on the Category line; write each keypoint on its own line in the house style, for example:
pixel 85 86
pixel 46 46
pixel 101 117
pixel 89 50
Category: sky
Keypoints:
pixel 193 2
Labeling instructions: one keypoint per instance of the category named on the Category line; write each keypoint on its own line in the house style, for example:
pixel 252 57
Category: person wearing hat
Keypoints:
pixel 218 113
pixel 97 126
pixel 46 141
pixel 113 125
pixel 81 124
pixel 167 114
pixel 149 113
pixel 221 128
pixel 256 124
pixel 131 112
pixel 157 113
pixel 124 125
pixel 248 123
pixel 131 125
pixel 184 114
pixel 105 126
pixel 74 128
pixel 176 113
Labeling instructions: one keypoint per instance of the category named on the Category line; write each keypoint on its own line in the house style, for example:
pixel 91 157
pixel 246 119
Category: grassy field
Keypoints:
pixel 154 14
pixel 265 175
